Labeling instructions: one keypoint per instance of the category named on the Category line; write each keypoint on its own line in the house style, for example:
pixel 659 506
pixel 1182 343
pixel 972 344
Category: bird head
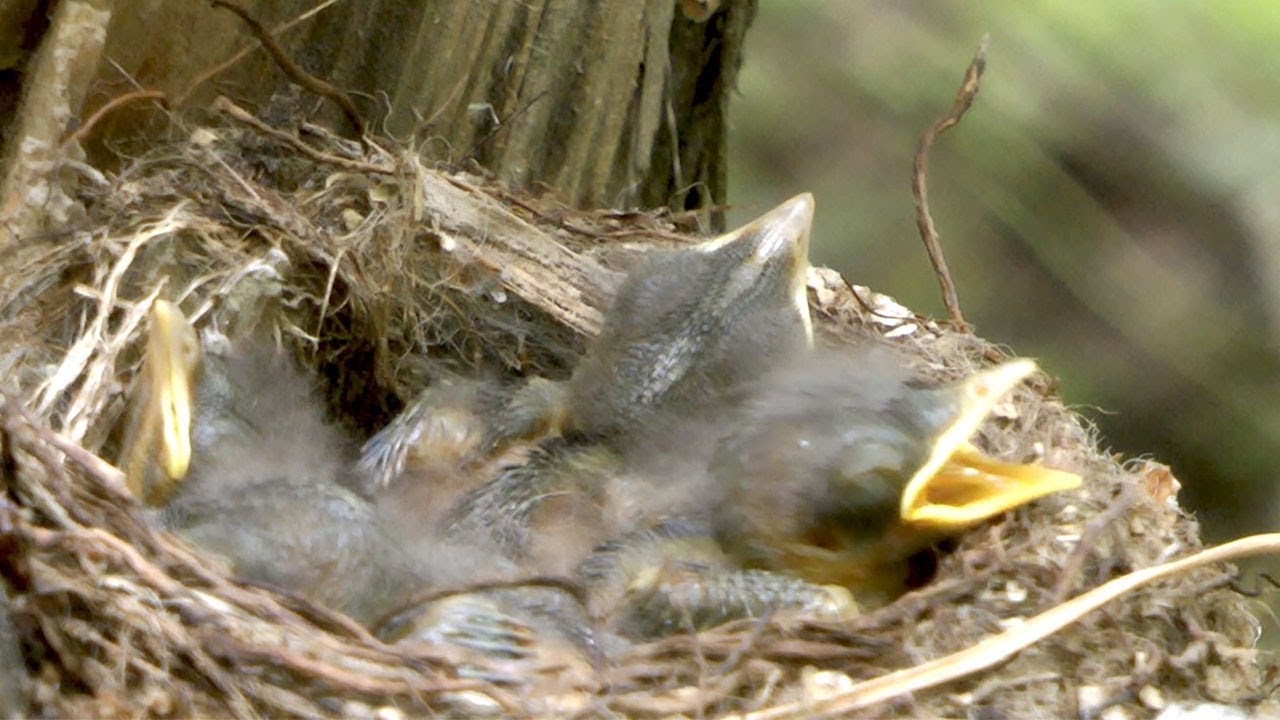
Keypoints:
pixel 841 472
pixel 686 326
pixel 762 266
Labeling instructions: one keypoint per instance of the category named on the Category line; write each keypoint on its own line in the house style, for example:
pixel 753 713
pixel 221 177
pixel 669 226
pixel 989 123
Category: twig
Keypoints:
pixel 919 180
pixel 79 355
pixel 501 125
pixel 291 69
pixel 748 643
pixel 310 610
pixel 107 473
pixel 566 585
pixel 112 104
pixel 1088 542
pixel 239 114
pixel 339 678
pixel 181 98
pixel 1257 590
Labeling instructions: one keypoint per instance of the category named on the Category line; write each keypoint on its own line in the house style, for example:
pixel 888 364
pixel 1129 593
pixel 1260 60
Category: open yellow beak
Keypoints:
pixel 958 486
pixel 160 432
pixel 171 350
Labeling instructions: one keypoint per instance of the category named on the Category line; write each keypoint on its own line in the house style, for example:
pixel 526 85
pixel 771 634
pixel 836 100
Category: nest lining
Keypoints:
pixel 382 281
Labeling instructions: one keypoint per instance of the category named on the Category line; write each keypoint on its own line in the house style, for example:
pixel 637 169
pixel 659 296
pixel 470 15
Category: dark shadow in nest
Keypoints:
pixel 351 352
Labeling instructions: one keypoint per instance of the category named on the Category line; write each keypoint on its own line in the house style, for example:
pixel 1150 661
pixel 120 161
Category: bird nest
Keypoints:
pixel 383 273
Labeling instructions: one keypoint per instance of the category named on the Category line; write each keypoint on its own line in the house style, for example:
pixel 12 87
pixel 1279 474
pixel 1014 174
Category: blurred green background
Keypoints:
pixel 1110 204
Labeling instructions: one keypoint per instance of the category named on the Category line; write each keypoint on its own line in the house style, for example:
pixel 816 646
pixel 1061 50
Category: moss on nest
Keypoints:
pixel 380 274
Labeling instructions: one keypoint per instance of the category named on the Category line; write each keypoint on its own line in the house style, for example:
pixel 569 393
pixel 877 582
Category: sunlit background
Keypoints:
pixel 1110 204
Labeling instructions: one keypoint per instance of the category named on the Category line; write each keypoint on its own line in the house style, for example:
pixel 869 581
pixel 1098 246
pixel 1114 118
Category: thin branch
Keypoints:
pixel 239 114
pixel 502 124
pixel 553 582
pixel 181 98
pixel 919 180
pixel 291 69
pixel 129 97
pixel 1088 543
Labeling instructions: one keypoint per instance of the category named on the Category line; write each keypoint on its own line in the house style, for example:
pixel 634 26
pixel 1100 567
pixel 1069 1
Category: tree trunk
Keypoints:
pixel 611 103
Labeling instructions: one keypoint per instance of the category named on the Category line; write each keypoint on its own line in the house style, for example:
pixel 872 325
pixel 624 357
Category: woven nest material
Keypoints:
pixel 387 272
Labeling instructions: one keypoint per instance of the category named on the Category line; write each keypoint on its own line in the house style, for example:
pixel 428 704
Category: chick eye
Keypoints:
pixel 860 487
pixel 860 504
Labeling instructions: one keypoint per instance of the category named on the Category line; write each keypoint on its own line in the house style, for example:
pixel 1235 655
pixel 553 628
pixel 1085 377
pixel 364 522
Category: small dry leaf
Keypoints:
pixel 824 282
pixel 1159 481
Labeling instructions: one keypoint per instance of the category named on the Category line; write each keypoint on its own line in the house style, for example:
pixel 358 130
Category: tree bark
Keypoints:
pixel 604 103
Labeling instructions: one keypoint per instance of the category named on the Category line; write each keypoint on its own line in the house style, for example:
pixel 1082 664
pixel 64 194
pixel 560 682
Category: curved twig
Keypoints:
pixel 919 180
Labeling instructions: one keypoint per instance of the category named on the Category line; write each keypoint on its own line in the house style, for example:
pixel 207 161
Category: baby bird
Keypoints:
pixel 824 483
pixel 689 329
pixel 234 448
pixel 841 468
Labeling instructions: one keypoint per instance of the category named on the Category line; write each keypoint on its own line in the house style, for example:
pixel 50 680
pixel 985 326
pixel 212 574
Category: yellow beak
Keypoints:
pixel 958 486
pixel 163 415
pixel 171 350
pixel 779 236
